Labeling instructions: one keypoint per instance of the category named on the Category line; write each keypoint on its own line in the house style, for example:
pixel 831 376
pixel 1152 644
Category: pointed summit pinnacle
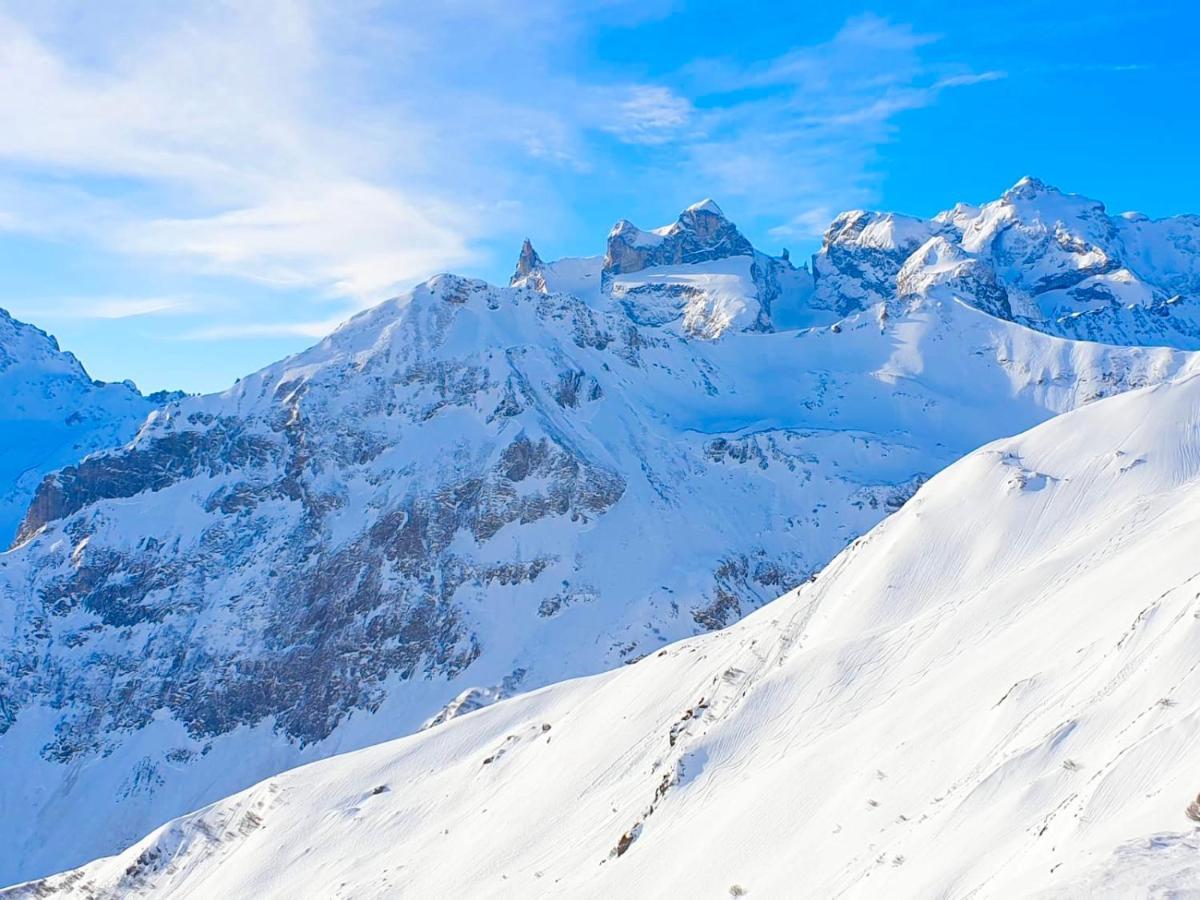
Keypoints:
pixel 1029 188
pixel 527 262
pixel 707 205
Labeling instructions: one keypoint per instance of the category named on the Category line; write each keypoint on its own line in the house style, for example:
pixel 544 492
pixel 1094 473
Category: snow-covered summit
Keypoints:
pixel 1062 263
pixel 1050 260
pixel 52 413
pixel 698 277
pixel 701 234
pixel 708 205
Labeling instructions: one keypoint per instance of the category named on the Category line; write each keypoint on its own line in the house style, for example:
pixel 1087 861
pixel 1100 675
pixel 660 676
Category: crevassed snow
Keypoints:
pixel 992 694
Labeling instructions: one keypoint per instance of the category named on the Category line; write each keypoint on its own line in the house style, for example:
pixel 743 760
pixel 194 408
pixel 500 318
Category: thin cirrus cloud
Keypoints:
pixel 308 329
pixel 650 114
pixel 112 308
pixel 340 151
pixel 130 307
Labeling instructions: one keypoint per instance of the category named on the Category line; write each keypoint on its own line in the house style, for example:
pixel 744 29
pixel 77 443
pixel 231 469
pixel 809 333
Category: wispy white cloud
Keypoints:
pixel 805 225
pixel 130 307
pixel 248 330
pixel 650 114
pixel 968 78
pixel 801 131
pixel 108 307
pixel 215 139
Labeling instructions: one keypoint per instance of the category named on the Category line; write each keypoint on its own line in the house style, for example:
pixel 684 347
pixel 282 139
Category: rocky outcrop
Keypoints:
pixel 700 277
pixel 701 234
pixel 939 267
pixel 860 257
pixel 528 272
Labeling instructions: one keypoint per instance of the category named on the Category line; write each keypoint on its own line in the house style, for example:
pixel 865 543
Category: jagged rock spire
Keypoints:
pixel 527 262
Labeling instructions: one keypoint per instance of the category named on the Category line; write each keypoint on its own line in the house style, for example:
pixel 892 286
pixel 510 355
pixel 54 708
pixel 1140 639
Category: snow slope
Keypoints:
pixel 992 694
pixel 421 514
pixel 52 414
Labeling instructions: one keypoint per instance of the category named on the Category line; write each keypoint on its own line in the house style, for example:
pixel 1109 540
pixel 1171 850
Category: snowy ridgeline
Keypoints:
pixel 53 414
pixel 473 491
pixel 994 693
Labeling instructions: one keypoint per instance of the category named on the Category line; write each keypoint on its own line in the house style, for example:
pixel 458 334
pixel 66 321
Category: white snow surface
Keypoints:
pixel 708 299
pixel 747 463
pixel 994 693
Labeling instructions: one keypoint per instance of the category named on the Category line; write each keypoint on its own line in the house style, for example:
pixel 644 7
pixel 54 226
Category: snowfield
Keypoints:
pixel 994 693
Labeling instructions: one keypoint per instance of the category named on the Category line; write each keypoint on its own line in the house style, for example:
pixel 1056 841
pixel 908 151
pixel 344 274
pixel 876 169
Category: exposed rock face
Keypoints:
pixel 861 256
pixel 939 265
pixel 699 275
pixel 702 234
pixel 528 263
pixel 52 413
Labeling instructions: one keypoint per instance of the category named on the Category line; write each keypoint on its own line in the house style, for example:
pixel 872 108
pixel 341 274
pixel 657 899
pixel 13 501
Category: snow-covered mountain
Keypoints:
pixel 992 694
pixel 1053 261
pixel 471 491
pixel 52 414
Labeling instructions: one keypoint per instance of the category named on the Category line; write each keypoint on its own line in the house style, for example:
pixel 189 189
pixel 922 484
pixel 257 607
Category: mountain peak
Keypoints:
pixel 1029 188
pixel 28 354
pixel 54 413
pixel 700 234
pixel 707 205
pixel 527 262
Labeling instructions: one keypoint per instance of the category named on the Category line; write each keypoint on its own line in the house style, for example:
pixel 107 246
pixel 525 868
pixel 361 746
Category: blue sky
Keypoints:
pixel 189 191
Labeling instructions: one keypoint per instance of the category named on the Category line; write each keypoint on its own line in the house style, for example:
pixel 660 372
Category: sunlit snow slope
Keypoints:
pixel 993 693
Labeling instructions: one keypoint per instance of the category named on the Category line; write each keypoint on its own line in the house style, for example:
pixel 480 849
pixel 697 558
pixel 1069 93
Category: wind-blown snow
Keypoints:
pixel 993 693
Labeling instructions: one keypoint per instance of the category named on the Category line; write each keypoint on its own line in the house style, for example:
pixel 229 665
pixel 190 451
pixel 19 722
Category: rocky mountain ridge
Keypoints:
pixel 52 413
pixel 1052 261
